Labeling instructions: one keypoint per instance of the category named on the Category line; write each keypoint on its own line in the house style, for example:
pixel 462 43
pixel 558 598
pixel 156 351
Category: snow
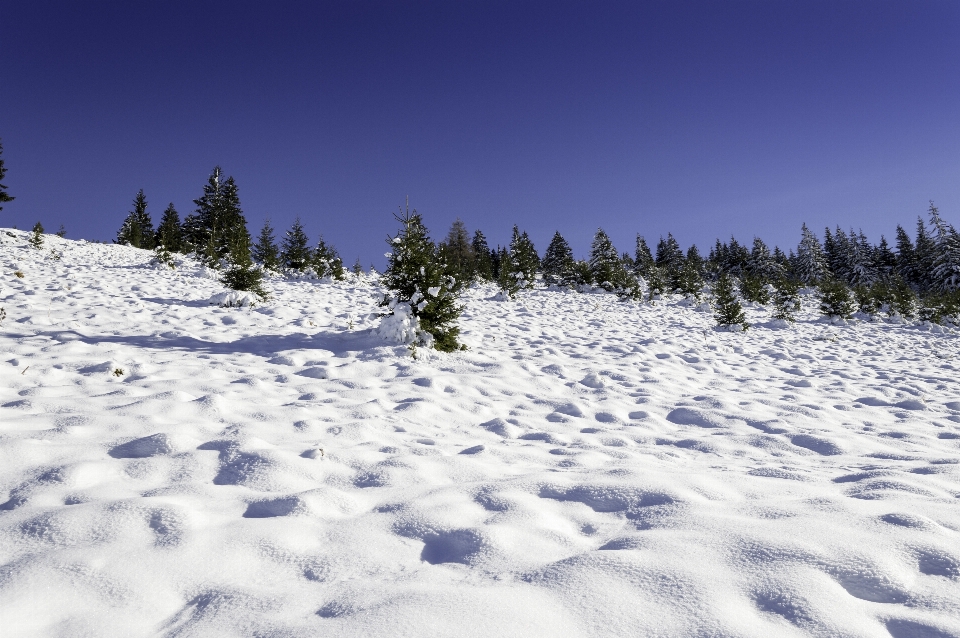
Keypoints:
pixel 587 468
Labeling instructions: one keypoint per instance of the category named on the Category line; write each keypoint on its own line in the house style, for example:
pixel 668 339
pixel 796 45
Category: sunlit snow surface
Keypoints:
pixel 587 468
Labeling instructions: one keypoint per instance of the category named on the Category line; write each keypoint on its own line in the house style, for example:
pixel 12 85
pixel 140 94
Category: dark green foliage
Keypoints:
pixel 869 299
pixel 907 267
pixel 169 234
pixel 295 253
pixel 4 196
pixel 642 257
pixel 36 239
pixel 519 265
pixel 326 261
pixel 484 257
pixel 558 262
pixel 903 301
pixel 217 224
pixel 657 283
pixel 265 251
pixel 137 228
pixel 357 267
pixel 754 289
pixel 62 232
pixel 580 274
pixel 729 258
pixel 835 299
pixel 670 260
pixel 415 276
pixel 786 300
pixel 727 309
pixel 457 253
pixel 240 272
pixel 884 260
pixel 605 261
pixel 690 282
pixel 940 307
pixel 924 255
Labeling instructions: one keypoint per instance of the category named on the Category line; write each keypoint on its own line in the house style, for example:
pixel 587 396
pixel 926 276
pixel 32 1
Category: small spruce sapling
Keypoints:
pixel 754 289
pixel 62 232
pixel 690 282
pixel 422 299
pixel 835 299
pixel 727 309
pixel 265 251
pixel 786 300
pixel 656 282
pixel 4 196
pixel 36 239
pixel 870 298
pixel 903 301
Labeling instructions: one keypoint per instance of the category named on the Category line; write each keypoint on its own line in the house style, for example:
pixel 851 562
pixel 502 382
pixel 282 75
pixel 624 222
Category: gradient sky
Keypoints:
pixel 705 119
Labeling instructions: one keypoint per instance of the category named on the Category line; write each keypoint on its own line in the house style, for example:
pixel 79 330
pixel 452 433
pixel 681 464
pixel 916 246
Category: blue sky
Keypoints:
pixel 704 119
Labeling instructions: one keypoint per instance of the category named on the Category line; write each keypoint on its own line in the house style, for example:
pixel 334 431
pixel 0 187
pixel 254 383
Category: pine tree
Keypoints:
pixel 907 267
pixel 457 252
pixel 754 289
pixel 36 239
pixel 810 265
pixel 690 282
pixel 903 301
pixel 761 264
pixel 727 309
pixel 62 232
pixel 234 247
pixel 558 262
pixel 670 259
pixel 945 270
pixel 357 267
pixel 295 253
pixel 265 251
pixel 580 274
pixel 604 261
pixel 419 287
pixel 925 252
pixel 884 260
pixel 483 256
pixel 4 196
pixel 137 228
pixel 518 266
pixel 642 257
pixel 835 299
pixel 169 234
pixel 326 261
pixel 786 300
pixel 213 229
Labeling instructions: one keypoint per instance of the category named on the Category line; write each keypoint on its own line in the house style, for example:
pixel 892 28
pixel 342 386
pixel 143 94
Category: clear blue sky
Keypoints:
pixel 702 118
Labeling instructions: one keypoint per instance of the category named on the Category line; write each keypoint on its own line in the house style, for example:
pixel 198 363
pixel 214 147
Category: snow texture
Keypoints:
pixel 587 468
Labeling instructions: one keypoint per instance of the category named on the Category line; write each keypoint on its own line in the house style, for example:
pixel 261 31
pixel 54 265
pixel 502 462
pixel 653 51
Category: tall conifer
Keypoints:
pixel 4 195
pixel 295 253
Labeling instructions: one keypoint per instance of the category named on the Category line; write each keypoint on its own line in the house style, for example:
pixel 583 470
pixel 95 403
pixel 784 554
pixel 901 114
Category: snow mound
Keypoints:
pixel 234 299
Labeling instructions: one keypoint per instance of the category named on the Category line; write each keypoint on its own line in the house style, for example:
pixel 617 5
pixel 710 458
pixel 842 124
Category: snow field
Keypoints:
pixel 587 468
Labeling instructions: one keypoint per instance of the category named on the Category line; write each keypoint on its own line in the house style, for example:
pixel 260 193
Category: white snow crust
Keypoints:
pixel 587 468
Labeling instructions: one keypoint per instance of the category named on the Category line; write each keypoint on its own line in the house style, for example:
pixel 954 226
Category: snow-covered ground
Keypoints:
pixel 587 468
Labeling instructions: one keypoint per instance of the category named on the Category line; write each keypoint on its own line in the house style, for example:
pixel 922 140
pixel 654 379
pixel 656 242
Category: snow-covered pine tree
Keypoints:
pixel 860 266
pixel 295 253
pixel 690 281
pixel 810 264
pixel 457 252
pixel 581 276
pixel 835 299
pixel 168 232
pixel 209 231
pixel 925 251
pixel 907 267
pixel 518 266
pixel 357 268
pixel 265 251
pixel 608 271
pixel 483 256
pixel 4 195
pixel 884 260
pixel 728 312
pixel 422 299
pixel 137 228
pixel 233 246
pixel 670 259
pixel 786 300
pixel 761 264
pixel 903 301
pixel 946 253
pixel 36 239
pixel 558 262
pixel 604 261
pixel 754 289
pixel 642 257
pixel 326 261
